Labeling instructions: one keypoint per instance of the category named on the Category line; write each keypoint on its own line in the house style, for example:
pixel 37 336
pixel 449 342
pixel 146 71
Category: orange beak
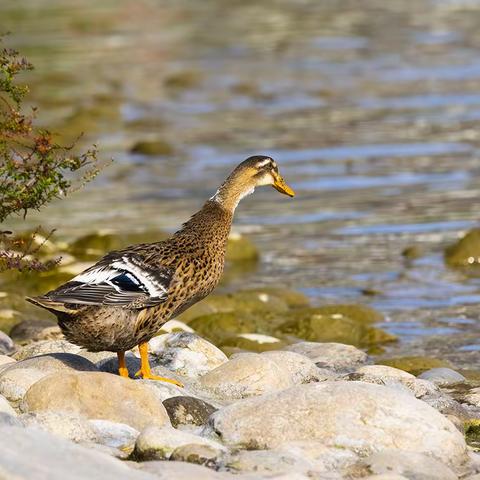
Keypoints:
pixel 281 186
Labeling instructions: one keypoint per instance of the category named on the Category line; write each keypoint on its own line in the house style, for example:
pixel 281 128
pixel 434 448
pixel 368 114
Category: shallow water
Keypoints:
pixel 370 108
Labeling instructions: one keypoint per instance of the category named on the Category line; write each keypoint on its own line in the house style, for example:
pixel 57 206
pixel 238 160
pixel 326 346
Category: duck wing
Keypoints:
pixel 119 279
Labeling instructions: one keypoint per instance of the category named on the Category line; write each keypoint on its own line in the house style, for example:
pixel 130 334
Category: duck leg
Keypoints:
pixel 145 372
pixel 122 366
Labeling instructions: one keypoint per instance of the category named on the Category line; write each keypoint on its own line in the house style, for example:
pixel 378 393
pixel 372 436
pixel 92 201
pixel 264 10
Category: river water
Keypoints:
pixel 370 108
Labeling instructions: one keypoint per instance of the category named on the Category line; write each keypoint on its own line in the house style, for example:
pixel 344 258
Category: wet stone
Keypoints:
pixel 415 364
pixel 188 411
pixel 466 251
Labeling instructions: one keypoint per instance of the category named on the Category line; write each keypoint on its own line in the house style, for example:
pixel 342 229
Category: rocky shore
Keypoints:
pixel 307 410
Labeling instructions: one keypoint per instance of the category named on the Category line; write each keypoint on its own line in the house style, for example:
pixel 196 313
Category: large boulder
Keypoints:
pixel 97 395
pixel 355 416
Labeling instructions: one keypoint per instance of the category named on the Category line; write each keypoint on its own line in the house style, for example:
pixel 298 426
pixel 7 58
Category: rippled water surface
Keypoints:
pixel 371 109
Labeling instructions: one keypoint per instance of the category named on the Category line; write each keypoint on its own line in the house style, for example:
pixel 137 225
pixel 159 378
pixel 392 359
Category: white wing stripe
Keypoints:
pixel 107 273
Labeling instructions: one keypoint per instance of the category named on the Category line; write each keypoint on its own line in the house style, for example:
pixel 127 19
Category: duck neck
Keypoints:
pixel 211 223
pixel 231 192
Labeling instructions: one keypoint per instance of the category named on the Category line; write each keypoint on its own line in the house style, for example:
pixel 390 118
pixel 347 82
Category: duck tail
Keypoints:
pixel 49 304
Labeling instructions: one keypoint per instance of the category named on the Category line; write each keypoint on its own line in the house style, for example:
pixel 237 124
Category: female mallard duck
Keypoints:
pixel 124 299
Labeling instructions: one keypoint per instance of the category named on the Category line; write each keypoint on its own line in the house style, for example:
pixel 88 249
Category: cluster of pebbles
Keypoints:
pixel 308 411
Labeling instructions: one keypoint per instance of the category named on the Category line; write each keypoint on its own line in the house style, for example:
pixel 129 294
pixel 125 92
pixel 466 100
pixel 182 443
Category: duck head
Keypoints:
pixel 253 172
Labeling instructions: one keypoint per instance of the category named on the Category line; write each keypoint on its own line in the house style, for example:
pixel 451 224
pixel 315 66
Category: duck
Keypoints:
pixel 123 300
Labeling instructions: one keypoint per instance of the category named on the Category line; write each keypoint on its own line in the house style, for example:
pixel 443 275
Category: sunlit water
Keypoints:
pixel 371 109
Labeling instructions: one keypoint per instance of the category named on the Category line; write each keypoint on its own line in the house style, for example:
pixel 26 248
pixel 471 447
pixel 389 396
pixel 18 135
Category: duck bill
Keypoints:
pixel 282 187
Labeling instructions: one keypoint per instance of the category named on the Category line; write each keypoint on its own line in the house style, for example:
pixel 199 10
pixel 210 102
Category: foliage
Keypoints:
pixel 34 169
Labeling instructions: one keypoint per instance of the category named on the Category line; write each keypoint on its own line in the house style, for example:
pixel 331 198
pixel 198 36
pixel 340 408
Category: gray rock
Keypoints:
pixel 44 347
pixel 410 464
pixel 7 420
pixel 113 434
pixel 6 344
pixel 245 375
pixel 443 376
pixel 300 368
pixel 97 395
pixel 184 410
pixel 335 356
pixel 70 426
pixel 18 377
pixel 28 454
pixel 186 353
pixel 355 416
pixel 155 443
pixel 27 329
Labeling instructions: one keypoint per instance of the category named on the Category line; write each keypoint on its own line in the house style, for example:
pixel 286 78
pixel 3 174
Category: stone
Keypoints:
pixel 355 416
pixel 186 354
pixel 410 464
pixel 113 434
pixel 394 378
pixel 6 344
pixel 5 407
pixel 268 462
pixel 7 420
pixel 152 147
pixel 415 364
pixel 466 251
pixel 5 360
pixel 199 454
pixel 344 323
pixel 300 368
pixel 184 471
pixel 45 346
pixel 97 395
pixel 18 377
pixel 165 390
pixel 70 426
pixel 29 453
pixel 245 375
pixel 156 443
pixel 240 249
pixel 184 410
pixel 336 356
pixel 110 364
pixel 26 330
pixel 442 376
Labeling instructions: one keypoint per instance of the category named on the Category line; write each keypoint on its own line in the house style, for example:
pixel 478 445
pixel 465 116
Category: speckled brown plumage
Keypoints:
pixel 124 299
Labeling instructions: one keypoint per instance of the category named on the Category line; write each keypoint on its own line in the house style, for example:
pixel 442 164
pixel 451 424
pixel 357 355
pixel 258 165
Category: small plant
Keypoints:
pixel 34 169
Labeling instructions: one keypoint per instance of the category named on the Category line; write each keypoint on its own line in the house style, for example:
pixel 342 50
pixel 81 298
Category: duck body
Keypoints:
pixel 183 269
pixel 124 299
